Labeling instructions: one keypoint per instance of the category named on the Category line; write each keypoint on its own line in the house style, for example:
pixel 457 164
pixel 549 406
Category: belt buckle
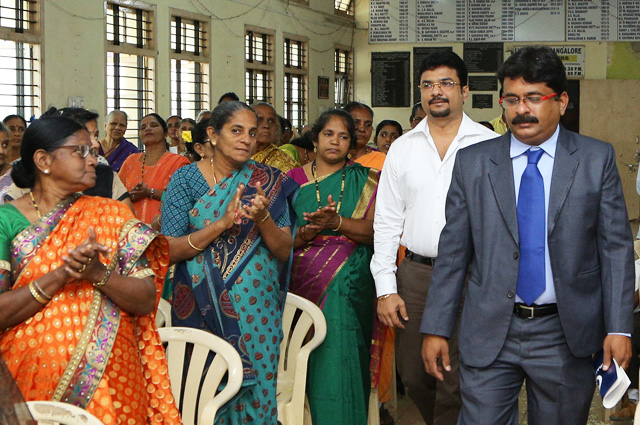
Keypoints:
pixel 530 309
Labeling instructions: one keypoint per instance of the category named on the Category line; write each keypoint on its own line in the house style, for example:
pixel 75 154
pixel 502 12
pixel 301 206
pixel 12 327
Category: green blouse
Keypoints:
pixel 12 222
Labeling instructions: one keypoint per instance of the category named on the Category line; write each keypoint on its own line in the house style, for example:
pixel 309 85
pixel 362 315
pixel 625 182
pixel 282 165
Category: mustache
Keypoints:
pixel 524 119
pixel 438 99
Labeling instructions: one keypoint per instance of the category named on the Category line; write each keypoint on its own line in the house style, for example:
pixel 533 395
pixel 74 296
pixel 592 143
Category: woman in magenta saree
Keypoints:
pixel 332 251
pixel 231 278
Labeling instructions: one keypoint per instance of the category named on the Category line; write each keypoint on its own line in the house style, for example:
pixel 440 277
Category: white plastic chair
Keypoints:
pixel 294 356
pixel 55 412
pixel 188 396
pixel 163 314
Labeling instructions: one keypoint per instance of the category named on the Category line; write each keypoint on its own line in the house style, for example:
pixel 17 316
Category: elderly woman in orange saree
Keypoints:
pixel 79 281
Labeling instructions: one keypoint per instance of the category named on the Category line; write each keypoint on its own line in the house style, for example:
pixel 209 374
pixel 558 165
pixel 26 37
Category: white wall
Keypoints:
pixel 74 57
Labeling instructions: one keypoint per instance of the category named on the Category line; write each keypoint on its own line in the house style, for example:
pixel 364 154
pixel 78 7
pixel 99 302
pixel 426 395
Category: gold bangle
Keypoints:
pixel 104 279
pixel 40 291
pixel 265 217
pixel 384 297
pixel 36 295
pixel 302 231
pixel 192 245
pixel 339 225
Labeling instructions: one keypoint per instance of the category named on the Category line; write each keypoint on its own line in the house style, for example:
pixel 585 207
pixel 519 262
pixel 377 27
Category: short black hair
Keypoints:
pixel 80 115
pixel 535 64
pixel 10 117
pixel 326 116
pixel 223 113
pixel 45 133
pixel 445 58
pixel 415 109
pixel 284 123
pixel 229 95
pixel 384 123
pixel 357 105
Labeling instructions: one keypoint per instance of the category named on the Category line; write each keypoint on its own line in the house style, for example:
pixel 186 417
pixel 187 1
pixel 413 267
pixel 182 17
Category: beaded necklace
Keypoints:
pixel 315 178
pixel 35 205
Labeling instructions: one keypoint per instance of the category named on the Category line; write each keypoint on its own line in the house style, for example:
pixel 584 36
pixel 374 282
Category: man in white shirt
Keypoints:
pixel 410 210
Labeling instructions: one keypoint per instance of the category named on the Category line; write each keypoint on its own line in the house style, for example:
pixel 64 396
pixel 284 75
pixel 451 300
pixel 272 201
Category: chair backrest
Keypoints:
pixel 298 318
pixel 163 315
pixel 186 387
pixel 55 412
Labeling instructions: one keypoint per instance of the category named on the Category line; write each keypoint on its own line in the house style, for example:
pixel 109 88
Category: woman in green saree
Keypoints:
pixel 332 251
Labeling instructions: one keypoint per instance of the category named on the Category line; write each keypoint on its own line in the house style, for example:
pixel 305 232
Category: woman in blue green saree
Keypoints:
pixel 229 222
pixel 332 251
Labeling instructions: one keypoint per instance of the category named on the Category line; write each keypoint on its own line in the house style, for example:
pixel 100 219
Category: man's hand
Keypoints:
pixel 433 348
pixel 388 309
pixel 618 347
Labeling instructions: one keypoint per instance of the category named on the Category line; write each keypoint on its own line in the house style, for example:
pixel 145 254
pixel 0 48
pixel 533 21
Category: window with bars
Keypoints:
pixel 20 63
pixel 343 77
pixel 189 66
pixel 344 7
pixel 259 66
pixel 295 81
pixel 130 63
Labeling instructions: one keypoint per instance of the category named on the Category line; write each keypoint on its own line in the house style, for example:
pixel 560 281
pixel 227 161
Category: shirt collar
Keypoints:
pixel 467 127
pixel 549 146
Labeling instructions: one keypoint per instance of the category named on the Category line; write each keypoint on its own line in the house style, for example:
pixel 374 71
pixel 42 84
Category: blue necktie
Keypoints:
pixel 531 227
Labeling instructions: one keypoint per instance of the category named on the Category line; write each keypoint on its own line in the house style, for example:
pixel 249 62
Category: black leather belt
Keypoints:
pixel 531 312
pixel 429 261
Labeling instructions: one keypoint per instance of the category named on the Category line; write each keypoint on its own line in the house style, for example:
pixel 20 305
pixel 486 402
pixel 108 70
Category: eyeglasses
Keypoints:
pixel 514 101
pixel 83 150
pixel 441 84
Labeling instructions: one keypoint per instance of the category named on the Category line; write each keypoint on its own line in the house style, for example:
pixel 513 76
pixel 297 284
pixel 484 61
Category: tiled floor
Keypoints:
pixel 407 413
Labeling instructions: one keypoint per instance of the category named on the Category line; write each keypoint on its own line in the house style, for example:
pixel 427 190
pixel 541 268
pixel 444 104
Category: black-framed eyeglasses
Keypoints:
pixel 83 150
pixel 440 84
pixel 514 101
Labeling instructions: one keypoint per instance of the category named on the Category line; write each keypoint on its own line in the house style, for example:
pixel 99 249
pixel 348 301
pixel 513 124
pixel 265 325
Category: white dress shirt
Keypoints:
pixel 545 165
pixel 411 197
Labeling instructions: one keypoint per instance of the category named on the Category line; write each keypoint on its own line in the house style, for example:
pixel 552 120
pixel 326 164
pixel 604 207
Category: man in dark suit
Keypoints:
pixel 539 217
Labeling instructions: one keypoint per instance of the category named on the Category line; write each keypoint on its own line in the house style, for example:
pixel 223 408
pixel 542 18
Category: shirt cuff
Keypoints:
pixel 385 285
pixel 616 333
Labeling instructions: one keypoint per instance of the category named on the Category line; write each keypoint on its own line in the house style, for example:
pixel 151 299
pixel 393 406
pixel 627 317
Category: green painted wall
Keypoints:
pixel 624 61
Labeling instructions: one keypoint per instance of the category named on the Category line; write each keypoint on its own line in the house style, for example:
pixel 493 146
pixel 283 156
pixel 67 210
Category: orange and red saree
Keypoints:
pixel 81 348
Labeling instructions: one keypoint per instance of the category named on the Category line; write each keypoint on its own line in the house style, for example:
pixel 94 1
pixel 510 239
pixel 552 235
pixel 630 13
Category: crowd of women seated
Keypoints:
pixel 81 272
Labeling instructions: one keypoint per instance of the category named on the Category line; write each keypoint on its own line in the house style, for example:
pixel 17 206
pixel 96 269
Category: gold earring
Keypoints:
pixel 214 143
pixel 348 156
pixel 315 150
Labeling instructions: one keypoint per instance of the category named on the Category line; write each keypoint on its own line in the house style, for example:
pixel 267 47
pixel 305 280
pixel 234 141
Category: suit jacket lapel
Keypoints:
pixel 501 178
pixel 564 170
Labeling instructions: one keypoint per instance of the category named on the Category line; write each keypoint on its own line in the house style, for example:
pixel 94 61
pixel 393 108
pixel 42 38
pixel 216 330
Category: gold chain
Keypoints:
pixel 35 205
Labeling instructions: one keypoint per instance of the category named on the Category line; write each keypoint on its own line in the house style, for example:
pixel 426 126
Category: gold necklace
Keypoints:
pixel 215 180
pixel 315 178
pixel 35 205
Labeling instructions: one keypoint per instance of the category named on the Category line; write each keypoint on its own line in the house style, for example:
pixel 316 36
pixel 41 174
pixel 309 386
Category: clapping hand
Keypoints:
pixel 325 217
pixel 233 213
pixel 83 262
pixel 139 191
pixel 257 211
